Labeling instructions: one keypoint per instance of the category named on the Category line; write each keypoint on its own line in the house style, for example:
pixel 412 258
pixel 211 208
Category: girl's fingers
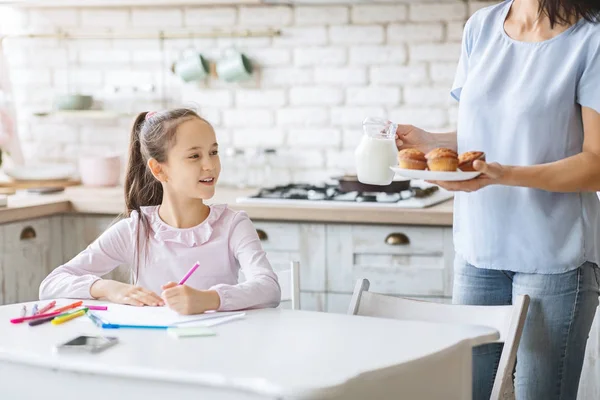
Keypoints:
pixel 131 301
pixel 156 298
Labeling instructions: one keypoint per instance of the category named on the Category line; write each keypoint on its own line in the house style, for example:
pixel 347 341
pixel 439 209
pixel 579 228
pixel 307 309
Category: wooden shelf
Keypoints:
pixel 83 114
pixel 122 3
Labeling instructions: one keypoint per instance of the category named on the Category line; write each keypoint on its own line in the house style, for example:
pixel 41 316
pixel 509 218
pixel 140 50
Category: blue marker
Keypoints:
pixel 34 310
pixel 100 323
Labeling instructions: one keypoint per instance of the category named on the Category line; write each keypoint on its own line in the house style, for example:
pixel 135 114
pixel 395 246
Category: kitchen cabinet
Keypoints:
pixel 80 231
pixel 30 250
pixel 397 260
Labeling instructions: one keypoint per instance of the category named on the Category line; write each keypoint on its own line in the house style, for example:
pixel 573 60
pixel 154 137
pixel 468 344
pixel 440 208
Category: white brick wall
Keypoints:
pixel 453 11
pixel 332 66
pixel 114 18
pixel 399 75
pixel 266 16
pixel 201 17
pixel 157 18
pixel 306 96
pixel 260 98
pixel 310 56
pixel 374 55
pixel 368 14
pixel 341 76
pixel 314 138
pixel 350 34
pixel 321 15
pixel 412 32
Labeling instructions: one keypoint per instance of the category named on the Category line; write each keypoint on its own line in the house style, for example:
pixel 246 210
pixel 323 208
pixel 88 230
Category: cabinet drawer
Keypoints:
pixel 398 260
pixel 32 232
pixel 399 240
pixel 276 236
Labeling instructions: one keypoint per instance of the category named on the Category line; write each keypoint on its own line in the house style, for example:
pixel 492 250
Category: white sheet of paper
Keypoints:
pixel 132 315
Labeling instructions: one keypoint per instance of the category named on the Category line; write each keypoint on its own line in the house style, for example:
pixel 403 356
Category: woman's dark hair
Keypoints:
pixel 564 11
pixel 152 135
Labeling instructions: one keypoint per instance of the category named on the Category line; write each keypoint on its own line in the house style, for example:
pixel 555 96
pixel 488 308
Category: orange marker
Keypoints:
pixel 70 306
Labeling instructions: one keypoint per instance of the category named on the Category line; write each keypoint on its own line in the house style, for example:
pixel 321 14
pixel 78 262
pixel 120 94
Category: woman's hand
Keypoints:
pixel 123 293
pixel 411 137
pixel 187 301
pixel 492 174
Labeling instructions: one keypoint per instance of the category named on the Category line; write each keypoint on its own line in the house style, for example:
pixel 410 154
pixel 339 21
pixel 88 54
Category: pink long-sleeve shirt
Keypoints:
pixel 223 244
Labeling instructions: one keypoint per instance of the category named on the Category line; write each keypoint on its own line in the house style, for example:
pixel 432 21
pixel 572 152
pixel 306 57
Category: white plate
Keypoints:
pixel 435 175
pixel 40 172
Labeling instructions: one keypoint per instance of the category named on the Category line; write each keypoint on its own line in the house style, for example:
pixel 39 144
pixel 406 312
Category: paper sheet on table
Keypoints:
pixel 131 315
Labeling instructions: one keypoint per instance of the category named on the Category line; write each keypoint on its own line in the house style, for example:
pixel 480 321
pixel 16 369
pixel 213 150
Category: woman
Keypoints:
pixel 528 86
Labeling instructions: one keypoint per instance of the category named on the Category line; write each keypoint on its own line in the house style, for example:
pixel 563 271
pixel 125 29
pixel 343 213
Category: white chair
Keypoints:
pixel 289 281
pixel 508 320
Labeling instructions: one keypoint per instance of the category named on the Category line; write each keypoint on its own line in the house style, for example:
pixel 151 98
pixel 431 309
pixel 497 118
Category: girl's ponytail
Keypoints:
pixel 141 189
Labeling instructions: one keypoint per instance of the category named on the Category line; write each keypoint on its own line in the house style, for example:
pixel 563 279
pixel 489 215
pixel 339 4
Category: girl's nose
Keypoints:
pixel 208 165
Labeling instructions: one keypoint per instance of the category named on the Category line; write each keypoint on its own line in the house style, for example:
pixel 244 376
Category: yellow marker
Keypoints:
pixel 64 318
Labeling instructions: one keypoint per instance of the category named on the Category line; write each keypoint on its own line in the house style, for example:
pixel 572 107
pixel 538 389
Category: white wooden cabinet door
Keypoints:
pixel 32 249
pixel 398 260
pixel 285 242
pixel 589 386
pixel 81 231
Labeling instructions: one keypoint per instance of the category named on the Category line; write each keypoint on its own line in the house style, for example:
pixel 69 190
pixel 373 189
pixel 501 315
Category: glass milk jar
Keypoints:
pixel 376 152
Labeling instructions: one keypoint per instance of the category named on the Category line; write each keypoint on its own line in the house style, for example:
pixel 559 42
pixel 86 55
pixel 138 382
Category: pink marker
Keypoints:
pixel 96 308
pixel 190 272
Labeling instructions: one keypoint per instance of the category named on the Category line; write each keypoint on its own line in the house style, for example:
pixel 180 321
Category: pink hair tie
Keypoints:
pixel 150 114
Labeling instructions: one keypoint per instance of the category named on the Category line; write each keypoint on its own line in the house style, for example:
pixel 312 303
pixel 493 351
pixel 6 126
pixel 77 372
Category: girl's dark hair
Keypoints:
pixel 152 135
pixel 564 11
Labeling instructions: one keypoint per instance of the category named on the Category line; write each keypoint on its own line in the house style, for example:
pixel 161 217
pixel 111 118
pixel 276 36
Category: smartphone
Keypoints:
pixel 90 344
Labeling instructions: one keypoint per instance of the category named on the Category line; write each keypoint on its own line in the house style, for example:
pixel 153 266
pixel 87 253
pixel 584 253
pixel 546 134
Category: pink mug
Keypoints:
pixel 100 170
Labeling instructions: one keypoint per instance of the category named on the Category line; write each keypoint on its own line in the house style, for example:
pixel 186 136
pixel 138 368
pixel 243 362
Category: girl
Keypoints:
pixel 173 166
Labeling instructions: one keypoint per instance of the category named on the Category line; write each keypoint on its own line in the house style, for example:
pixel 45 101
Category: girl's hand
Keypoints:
pixel 411 137
pixel 187 301
pixel 123 293
pixel 492 174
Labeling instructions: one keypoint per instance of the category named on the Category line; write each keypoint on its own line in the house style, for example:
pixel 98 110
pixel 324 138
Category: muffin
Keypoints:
pixel 442 159
pixel 412 159
pixel 465 160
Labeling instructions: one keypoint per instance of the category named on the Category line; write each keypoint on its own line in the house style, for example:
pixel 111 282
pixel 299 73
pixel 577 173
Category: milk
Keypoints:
pixel 374 156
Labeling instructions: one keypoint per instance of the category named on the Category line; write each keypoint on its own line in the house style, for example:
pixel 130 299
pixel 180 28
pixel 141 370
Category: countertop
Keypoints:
pixel 109 201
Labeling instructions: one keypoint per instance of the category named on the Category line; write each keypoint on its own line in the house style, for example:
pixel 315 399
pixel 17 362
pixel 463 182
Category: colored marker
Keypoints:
pixel 34 310
pixel 70 306
pixel 23 319
pixel 47 307
pixel 96 308
pixel 190 272
pixel 40 321
pixel 64 318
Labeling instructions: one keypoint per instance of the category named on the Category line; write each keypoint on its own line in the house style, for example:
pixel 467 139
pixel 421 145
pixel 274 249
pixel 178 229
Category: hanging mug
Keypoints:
pixel 192 68
pixel 234 67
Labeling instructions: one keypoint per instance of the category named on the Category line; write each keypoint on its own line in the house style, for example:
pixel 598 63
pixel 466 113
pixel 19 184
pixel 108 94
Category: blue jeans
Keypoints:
pixel 552 348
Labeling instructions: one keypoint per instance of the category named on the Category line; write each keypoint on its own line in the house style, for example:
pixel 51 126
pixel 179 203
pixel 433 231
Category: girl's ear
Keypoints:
pixel 157 170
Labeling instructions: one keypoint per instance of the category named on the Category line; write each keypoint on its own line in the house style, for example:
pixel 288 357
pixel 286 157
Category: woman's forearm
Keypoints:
pixel 447 140
pixel 579 173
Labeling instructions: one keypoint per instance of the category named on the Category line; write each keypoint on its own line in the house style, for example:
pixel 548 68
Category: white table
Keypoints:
pixel 273 354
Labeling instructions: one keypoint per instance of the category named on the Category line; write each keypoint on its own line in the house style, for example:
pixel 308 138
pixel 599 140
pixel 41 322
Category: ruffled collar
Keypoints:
pixel 189 237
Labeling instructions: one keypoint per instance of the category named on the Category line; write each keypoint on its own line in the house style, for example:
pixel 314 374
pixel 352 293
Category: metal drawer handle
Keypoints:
pixel 28 233
pixel 397 239
pixel 262 235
